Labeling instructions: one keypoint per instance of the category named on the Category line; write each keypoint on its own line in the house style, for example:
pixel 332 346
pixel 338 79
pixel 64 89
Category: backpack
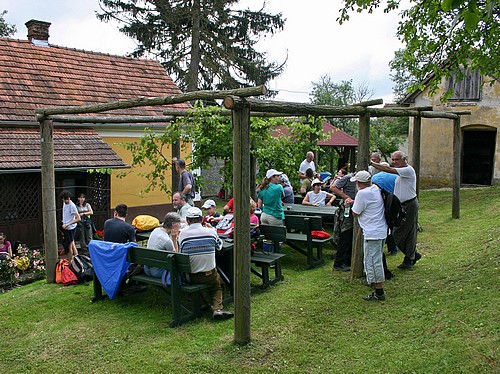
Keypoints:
pixel 81 265
pixel 64 274
pixel 144 222
pixel 393 209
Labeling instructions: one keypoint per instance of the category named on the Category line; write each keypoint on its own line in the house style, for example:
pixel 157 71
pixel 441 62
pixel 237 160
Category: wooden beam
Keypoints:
pixel 241 252
pixel 296 109
pixel 370 102
pixel 457 144
pixel 151 101
pixel 109 119
pixel 48 199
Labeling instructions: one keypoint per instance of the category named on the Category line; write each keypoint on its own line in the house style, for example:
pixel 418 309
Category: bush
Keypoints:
pixel 26 264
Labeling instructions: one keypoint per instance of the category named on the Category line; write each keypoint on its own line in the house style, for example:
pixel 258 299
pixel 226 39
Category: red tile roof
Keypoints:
pixel 37 77
pixel 73 148
pixel 335 136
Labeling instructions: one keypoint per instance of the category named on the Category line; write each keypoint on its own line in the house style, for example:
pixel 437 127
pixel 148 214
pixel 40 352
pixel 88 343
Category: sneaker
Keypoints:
pixel 222 314
pixel 374 297
pixel 418 256
pixel 342 267
pixel 405 266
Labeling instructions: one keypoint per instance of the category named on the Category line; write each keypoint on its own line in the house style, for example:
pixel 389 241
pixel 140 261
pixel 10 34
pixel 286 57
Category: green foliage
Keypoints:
pixel 108 171
pixel 202 44
pixel 6 29
pixel 441 37
pixel 211 132
pixel 328 92
pixel 387 134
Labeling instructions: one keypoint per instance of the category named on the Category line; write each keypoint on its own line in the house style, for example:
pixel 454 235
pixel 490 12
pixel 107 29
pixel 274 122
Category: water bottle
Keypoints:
pixel 347 210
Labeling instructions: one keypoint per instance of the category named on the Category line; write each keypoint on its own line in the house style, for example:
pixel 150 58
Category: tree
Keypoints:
pixel 327 92
pixel 441 37
pixel 203 44
pixel 6 29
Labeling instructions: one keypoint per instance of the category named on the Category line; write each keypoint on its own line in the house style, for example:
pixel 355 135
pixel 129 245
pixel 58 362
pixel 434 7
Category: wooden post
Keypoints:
pixel 48 199
pixel 415 149
pixel 457 143
pixel 241 188
pixel 253 173
pixel 362 164
pixel 352 158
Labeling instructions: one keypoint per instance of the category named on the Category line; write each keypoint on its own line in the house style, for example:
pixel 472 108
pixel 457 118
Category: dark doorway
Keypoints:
pixel 478 156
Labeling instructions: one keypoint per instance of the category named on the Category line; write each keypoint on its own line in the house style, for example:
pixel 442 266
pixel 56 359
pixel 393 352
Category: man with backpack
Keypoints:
pixel 405 188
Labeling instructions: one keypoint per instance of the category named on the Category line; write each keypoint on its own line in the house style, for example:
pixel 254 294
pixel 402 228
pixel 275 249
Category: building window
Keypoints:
pixel 466 85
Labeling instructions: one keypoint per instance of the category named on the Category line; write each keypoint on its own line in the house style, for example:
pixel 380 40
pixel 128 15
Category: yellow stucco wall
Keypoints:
pixel 436 146
pixel 127 190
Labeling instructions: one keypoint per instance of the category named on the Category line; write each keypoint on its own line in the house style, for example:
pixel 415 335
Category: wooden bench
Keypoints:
pixel 178 264
pixel 265 260
pixel 299 233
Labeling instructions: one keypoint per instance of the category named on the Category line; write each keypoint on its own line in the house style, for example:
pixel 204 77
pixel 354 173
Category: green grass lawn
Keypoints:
pixel 442 317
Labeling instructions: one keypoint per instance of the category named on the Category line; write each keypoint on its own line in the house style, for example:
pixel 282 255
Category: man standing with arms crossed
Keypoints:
pixel 405 189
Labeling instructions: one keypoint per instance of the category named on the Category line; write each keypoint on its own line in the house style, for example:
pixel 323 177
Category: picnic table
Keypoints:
pixel 309 210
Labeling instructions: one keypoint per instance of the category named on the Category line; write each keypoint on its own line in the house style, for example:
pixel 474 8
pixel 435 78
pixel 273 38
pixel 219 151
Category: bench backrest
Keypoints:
pixel 160 259
pixel 273 233
pixel 304 224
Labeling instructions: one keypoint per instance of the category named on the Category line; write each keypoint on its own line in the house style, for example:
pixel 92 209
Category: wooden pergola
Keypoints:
pixel 242 106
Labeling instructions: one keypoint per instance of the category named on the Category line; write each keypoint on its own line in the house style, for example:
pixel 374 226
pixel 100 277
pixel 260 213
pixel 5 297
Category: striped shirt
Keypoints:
pixel 201 243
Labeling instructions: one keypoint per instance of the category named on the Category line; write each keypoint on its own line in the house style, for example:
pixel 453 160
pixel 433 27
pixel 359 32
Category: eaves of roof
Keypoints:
pixel 20 149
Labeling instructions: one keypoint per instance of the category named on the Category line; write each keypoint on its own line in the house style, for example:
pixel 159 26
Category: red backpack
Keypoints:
pixel 64 274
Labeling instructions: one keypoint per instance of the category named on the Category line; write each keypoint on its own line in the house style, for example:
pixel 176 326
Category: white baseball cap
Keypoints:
pixel 209 203
pixel 361 176
pixel 272 172
pixel 316 181
pixel 194 212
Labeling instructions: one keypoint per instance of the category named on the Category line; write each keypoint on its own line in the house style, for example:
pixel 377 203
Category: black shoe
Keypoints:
pixel 388 274
pixel 222 314
pixel 393 253
pixel 343 268
pixel 374 297
pixel 418 256
pixel 405 266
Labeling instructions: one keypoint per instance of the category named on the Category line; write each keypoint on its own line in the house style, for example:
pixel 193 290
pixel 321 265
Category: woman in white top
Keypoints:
pixel 316 197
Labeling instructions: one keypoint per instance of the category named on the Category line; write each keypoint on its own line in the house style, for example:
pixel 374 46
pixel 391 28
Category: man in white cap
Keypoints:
pixel 201 243
pixel 212 217
pixel 369 208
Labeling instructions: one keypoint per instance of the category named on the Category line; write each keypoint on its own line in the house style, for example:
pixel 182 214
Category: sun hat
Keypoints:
pixel 316 181
pixel 272 172
pixel 194 212
pixel 209 203
pixel 361 176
